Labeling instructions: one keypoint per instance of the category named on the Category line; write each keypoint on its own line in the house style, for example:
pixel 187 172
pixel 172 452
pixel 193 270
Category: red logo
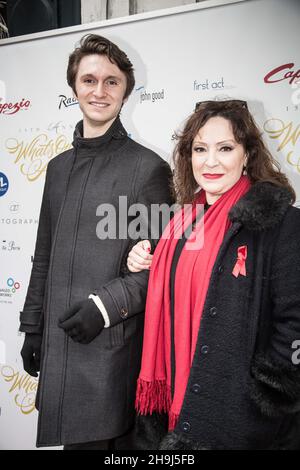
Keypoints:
pixel 283 72
pixel 13 108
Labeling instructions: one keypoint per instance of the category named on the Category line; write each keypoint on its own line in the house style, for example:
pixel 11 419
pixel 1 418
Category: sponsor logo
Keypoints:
pixel 4 184
pixel 15 221
pixel 14 207
pixel 33 156
pixel 287 138
pixel 10 246
pixel 282 73
pixel 13 108
pixel 22 387
pixel 13 284
pixel 66 102
pixel 60 127
pixel 7 292
pixel 57 127
pixel 209 85
pixel 153 96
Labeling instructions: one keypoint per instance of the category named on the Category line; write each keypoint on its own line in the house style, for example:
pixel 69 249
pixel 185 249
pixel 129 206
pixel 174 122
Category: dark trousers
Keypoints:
pixel 96 445
pixel 124 442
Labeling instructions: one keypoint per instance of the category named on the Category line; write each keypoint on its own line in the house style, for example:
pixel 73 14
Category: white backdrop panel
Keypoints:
pixel 180 58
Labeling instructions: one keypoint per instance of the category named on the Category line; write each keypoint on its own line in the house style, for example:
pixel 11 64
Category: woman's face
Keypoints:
pixel 217 159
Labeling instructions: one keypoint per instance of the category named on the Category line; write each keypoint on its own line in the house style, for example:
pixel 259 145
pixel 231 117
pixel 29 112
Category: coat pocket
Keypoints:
pixel 117 337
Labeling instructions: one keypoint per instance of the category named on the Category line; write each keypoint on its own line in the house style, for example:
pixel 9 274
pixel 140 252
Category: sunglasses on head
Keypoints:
pixel 238 103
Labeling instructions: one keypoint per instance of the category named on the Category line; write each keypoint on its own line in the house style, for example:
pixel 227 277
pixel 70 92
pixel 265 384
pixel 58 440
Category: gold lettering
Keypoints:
pixel 24 385
pixel 293 160
pixel 26 404
pixel 34 156
pixel 286 135
pixel 15 147
pixel 284 131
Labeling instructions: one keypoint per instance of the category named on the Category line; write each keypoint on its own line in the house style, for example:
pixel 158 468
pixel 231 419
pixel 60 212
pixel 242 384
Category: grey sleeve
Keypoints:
pixel 31 318
pixel 125 296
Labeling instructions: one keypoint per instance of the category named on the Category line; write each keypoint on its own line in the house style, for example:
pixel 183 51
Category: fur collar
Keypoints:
pixel 174 441
pixel 262 208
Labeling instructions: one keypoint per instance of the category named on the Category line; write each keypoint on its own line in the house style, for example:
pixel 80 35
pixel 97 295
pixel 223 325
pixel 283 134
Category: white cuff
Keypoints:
pixel 102 309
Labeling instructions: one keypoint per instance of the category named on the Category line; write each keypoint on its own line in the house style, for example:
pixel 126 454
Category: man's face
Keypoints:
pixel 100 87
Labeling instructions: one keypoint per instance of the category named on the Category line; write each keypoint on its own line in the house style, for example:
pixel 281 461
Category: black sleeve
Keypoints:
pixel 277 368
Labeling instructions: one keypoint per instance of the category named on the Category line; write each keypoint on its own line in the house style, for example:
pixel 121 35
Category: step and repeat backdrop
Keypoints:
pixel 243 49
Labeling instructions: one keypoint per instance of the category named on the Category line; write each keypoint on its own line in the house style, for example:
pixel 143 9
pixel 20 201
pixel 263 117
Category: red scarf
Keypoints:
pixel 191 283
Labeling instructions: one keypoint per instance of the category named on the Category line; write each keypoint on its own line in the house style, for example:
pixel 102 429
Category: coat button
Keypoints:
pixel 213 311
pixel 221 269
pixel 205 349
pixel 186 427
pixel 196 389
pixel 124 312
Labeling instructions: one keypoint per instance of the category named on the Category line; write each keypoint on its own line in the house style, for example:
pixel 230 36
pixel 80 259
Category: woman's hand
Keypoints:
pixel 139 257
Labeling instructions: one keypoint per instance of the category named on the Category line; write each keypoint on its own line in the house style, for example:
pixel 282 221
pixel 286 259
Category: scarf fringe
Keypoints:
pixel 173 419
pixel 152 396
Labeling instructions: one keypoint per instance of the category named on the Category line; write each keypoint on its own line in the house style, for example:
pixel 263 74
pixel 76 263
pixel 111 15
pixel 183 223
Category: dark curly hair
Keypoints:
pixel 94 44
pixel 260 166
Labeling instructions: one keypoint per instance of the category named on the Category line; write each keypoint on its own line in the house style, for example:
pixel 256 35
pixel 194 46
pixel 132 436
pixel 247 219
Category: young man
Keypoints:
pixel 83 316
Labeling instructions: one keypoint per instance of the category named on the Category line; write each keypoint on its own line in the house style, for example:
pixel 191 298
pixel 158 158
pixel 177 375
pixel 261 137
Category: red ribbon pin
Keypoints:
pixel 240 265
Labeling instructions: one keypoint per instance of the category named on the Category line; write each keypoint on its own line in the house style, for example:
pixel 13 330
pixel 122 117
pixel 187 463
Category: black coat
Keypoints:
pixel 244 390
pixel 86 392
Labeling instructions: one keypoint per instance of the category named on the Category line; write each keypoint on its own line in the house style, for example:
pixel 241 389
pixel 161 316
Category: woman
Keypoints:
pixel 223 319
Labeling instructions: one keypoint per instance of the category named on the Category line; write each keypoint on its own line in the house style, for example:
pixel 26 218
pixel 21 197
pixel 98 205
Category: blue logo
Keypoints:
pixel 3 184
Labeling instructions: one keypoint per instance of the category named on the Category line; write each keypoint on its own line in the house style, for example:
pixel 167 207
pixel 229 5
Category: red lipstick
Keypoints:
pixel 212 176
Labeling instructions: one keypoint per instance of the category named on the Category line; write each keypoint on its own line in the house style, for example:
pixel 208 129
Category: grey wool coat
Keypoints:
pixel 86 392
pixel 244 385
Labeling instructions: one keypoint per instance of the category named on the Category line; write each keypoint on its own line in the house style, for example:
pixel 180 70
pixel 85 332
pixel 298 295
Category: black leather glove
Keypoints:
pixel 31 353
pixel 82 322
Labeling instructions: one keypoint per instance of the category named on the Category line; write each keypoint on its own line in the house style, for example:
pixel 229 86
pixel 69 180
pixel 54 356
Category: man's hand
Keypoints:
pixel 31 353
pixel 82 322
